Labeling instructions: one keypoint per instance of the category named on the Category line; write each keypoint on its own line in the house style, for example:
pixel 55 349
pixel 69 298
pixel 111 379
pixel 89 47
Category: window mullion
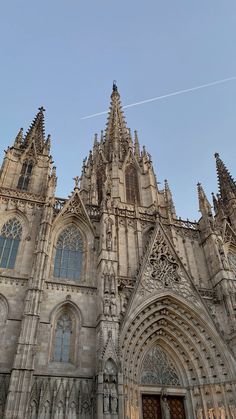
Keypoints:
pixel 3 249
pixel 9 253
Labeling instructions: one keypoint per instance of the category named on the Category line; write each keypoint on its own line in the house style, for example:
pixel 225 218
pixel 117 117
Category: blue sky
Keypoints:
pixel 64 55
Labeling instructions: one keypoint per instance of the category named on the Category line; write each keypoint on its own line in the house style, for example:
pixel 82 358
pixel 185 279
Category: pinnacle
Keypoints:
pixel 204 204
pixel 227 185
pixel 19 138
pixel 117 138
pixel 36 131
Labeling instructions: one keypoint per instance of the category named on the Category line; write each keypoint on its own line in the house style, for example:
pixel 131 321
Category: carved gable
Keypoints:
pixel 162 270
pixel 75 206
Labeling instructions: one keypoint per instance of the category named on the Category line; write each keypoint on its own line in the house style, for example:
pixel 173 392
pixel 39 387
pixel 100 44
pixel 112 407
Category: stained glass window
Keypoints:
pixel 62 341
pixel 9 242
pixel 69 252
pixel 131 182
pixel 25 175
pixel 158 369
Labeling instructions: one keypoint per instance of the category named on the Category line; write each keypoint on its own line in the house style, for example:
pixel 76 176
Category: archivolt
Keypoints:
pixel 201 356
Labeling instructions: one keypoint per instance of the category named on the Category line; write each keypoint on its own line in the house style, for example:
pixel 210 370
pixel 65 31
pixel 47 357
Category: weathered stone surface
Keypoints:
pixel 152 309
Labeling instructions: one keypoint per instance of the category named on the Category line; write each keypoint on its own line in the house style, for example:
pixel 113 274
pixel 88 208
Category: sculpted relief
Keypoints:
pixel 163 271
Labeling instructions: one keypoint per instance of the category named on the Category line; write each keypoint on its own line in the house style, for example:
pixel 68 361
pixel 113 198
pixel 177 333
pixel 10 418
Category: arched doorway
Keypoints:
pixel 195 351
pixel 161 387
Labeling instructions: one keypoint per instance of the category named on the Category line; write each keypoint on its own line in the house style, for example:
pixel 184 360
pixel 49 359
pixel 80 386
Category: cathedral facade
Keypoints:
pixel 111 306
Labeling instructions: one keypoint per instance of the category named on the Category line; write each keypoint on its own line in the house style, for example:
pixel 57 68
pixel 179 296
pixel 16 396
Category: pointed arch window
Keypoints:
pixel 10 237
pixel 232 259
pixel 131 183
pixel 101 178
pixel 26 172
pixel 158 369
pixel 69 254
pixel 63 338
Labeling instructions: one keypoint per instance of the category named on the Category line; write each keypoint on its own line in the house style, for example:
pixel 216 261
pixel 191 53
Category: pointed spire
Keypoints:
pixel 169 199
pixel 215 203
pixel 95 143
pixel 36 132
pixel 227 185
pixel 117 138
pixel 136 145
pixel 19 139
pixel 204 204
pixel 47 145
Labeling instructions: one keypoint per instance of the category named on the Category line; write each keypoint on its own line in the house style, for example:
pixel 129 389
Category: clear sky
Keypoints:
pixel 65 54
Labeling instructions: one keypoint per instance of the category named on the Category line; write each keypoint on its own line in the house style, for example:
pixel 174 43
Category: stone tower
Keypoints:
pixel 110 305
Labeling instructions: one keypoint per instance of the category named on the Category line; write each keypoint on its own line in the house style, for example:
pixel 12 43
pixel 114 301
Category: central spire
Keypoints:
pixel 117 135
pixel 36 131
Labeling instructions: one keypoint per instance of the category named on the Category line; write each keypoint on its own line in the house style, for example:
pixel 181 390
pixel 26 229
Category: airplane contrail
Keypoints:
pixel 178 92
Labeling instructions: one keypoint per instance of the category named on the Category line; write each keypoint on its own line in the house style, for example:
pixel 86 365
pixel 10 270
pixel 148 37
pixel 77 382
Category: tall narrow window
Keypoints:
pixel 131 182
pixel 62 339
pixel 69 252
pixel 25 175
pixel 101 178
pixel 9 242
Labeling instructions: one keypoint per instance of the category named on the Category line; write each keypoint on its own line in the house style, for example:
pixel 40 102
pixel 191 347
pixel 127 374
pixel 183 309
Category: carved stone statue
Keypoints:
pixel 222 414
pixel 113 306
pixel 232 409
pixel 165 408
pixel 199 413
pixel 109 240
pixel 114 399
pixel 211 413
pixel 109 234
pixel 106 306
pixel 106 401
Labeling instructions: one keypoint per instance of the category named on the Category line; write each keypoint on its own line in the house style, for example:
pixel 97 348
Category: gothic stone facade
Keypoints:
pixel 110 304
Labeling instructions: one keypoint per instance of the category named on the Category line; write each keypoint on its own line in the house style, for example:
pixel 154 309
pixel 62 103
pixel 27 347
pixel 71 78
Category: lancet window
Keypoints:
pixel 63 339
pixel 69 254
pixel 101 177
pixel 10 237
pixel 232 260
pixel 25 175
pixel 132 187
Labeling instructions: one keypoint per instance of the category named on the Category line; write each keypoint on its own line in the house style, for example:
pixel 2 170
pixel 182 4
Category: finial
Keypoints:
pixel 114 87
pixel 216 155
pixel 41 109
pixel 19 138
pixel 95 143
pixel 76 179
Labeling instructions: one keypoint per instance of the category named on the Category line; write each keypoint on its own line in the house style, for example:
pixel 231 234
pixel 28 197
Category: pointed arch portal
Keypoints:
pixel 168 348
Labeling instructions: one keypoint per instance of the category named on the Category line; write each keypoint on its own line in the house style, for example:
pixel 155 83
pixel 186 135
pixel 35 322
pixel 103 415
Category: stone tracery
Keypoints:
pixel 157 368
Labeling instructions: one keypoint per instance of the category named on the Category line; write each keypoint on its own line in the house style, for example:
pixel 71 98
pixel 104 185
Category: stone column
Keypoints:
pixel 23 367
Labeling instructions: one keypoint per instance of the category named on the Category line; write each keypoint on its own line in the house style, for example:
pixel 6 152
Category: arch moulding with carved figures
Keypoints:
pixel 171 321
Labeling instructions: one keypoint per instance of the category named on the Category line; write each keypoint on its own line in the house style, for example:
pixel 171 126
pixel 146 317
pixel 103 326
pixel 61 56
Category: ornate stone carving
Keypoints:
pixel 232 261
pixel 163 271
pixel 158 369
pixel 165 408
pixel 75 207
pixel 61 397
pixel 109 224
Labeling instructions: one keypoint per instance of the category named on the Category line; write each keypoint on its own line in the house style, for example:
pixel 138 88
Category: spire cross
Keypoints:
pixel 76 179
pixel 41 109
